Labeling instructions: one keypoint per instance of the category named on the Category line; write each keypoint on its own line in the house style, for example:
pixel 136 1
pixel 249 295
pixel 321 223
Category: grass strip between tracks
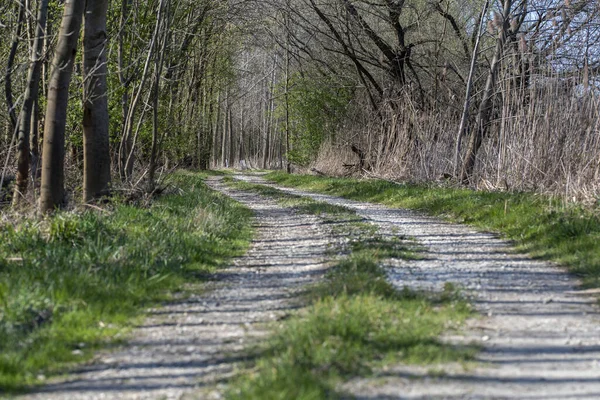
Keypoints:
pixel 355 320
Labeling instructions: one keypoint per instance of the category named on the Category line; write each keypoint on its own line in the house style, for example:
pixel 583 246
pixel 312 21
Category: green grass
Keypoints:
pixel 74 282
pixel 303 205
pixel 355 321
pixel 537 224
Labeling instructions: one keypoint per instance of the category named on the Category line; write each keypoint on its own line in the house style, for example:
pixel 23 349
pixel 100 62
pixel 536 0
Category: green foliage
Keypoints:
pixel 341 337
pixel 316 107
pixel 538 224
pixel 356 320
pixel 75 281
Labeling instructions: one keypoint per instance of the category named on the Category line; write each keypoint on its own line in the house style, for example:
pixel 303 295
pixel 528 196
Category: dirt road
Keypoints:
pixel 184 349
pixel 540 335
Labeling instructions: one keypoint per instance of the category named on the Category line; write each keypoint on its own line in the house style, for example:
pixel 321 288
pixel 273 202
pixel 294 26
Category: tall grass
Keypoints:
pixel 543 134
pixel 73 282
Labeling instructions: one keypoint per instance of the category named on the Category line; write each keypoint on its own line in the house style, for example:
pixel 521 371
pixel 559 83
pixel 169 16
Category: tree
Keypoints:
pixel 31 96
pixel 8 90
pixel 482 120
pixel 162 21
pixel 96 151
pixel 53 156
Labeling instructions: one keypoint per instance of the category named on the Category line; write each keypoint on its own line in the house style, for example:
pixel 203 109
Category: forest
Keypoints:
pixel 299 199
pixel 111 97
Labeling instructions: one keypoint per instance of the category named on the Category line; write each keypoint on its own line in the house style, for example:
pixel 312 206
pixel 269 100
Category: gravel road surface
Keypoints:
pixel 540 334
pixel 185 348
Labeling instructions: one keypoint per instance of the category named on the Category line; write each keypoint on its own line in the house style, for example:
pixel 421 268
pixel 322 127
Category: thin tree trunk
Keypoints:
pixel 127 156
pixel 12 113
pixel 268 119
pixel 265 149
pixel 241 155
pixel 206 116
pixel 467 104
pixel 125 145
pixel 216 125
pixel 208 124
pixel 52 190
pixel 47 55
pixel 272 128
pixel 156 88
pixel 34 143
pixel 231 137
pixel 224 161
pixel 200 132
pixel 288 166
pixel 29 110
pixel 96 147
pixel 483 115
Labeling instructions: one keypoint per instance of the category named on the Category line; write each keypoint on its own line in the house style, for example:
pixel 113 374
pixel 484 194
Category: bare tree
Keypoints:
pixel 485 107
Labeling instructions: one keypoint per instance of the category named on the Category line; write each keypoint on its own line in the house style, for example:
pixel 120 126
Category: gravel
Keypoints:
pixel 186 349
pixel 539 333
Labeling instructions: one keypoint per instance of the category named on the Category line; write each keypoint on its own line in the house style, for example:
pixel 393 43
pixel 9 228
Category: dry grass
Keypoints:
pixel 544 138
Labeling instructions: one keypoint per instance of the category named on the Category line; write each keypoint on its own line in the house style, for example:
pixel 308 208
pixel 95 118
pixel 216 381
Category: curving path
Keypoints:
pixel 540 335
pixel 184 349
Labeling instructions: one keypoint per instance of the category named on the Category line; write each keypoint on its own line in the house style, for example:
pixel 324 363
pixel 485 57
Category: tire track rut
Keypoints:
pixel 540 334
pixel 185 348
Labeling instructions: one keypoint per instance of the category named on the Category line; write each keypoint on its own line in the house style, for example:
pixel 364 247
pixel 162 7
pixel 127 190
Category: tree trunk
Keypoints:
pixel 127 143
pixel 288 165
pixel 96 150
pixel 224 161
pixel 241 155
pixel 215 130
pixel 158 66
pixel 266 144
pixel 231 137
pixel 482 120
pixel 52 190
pixel 34 143
pixel 26 122
pixel 467 103
pixel 212 138
pixel 10 65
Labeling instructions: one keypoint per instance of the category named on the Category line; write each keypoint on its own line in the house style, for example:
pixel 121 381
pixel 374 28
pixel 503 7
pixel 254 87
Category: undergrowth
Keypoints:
pixel 540 225
pixel 74 282
pixel 355 319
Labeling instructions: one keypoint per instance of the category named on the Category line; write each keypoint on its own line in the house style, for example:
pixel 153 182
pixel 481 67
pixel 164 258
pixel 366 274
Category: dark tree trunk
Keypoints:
pixel 96 150
pixel 52 190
